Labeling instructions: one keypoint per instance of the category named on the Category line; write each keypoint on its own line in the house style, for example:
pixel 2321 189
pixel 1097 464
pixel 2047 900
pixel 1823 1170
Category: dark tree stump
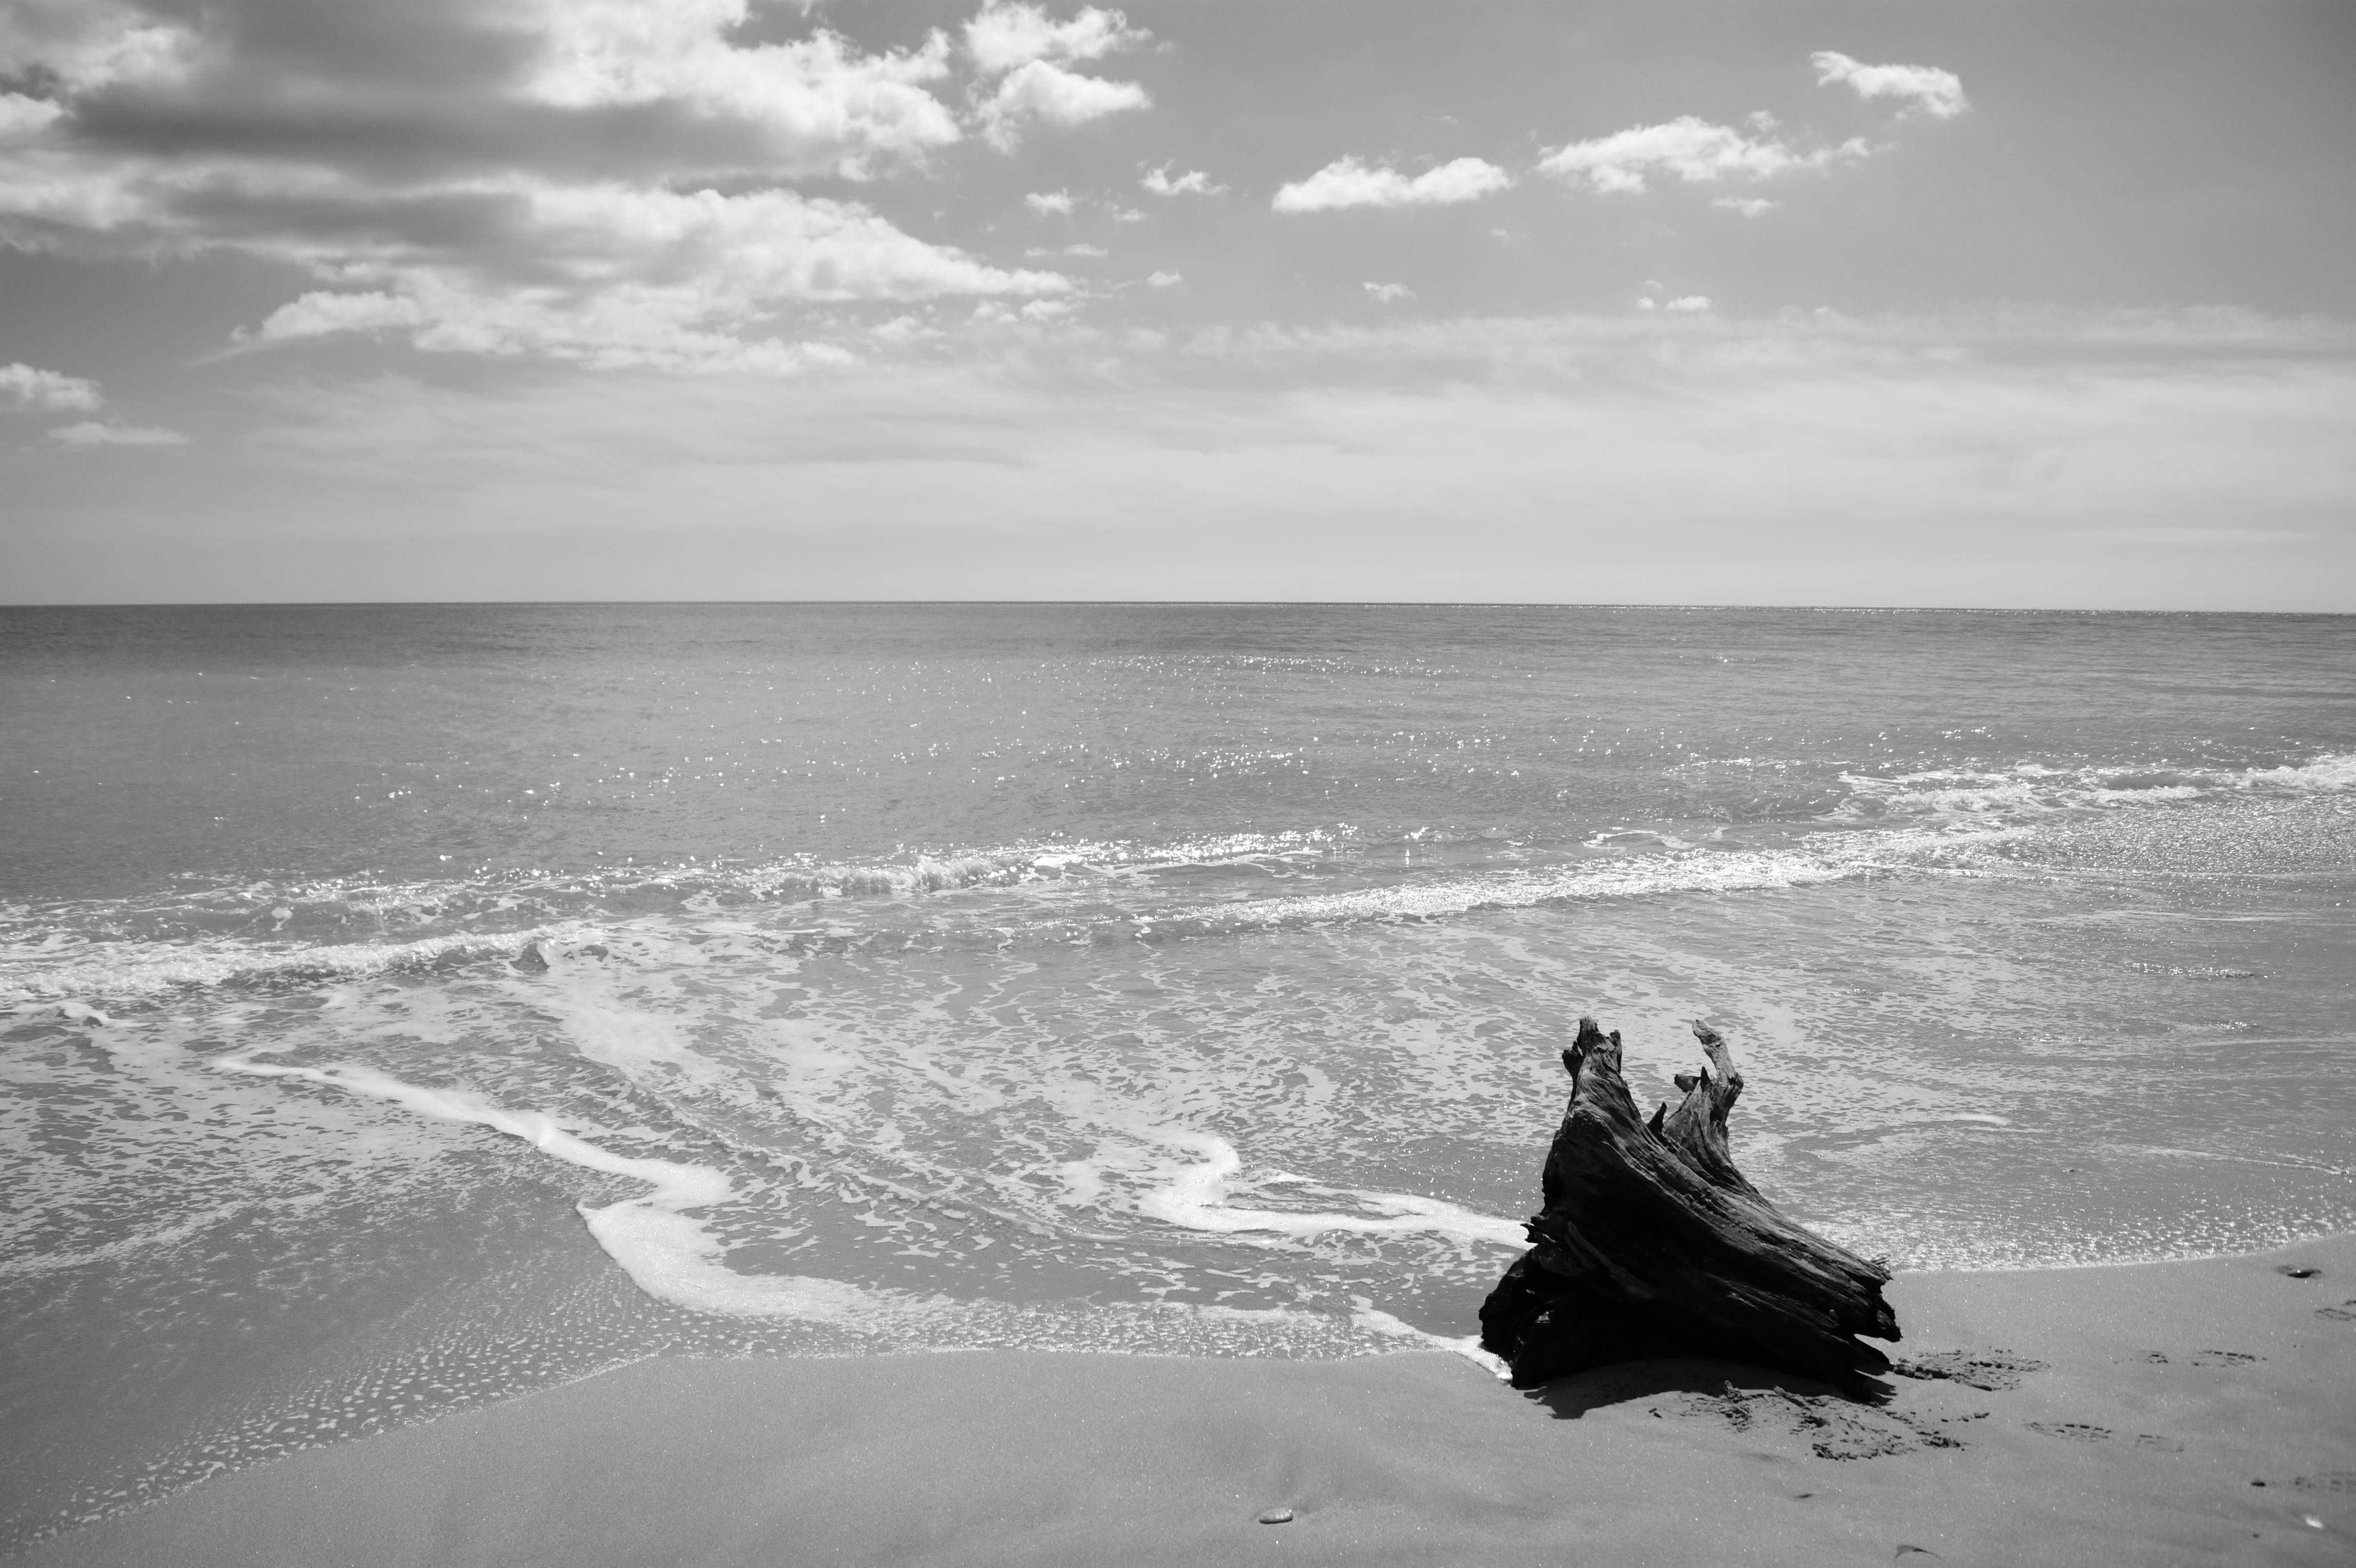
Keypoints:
pixel 1652 1243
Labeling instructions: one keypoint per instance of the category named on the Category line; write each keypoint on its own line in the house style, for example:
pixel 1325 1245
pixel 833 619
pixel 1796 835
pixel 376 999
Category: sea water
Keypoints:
pixel 406 1007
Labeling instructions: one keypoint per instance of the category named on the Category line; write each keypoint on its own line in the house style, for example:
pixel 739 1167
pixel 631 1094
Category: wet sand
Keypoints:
pixel 2160 1413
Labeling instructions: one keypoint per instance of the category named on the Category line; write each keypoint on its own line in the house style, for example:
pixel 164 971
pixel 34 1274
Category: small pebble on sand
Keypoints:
pixel 1277 1516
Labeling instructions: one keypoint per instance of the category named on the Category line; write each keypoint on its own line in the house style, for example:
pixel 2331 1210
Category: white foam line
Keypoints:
pixel 1197 1200
pixel 146 970
pixel 1366 1315
pixel 667 1254
pixel 1701 870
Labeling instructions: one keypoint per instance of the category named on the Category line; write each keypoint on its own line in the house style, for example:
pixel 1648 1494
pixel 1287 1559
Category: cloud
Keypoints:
pixel 1935 92
pixel 1748 206
pixel 1043 93
pixel 902 330
pixel 2195 537
pixel 1039 312
pixel 814 95
pixel 1022 45
pixel 86 46
pixel 1165 280
pixel 607 181
pixel 1865 459
pixel 30 388
pixel 1389 292
pixel 22 117
pixel 1193 182
pixel 90 433
pixel 1350 182
pixel 1003 36
pixel 1689 303
pixel 1045 202
pixel 635 277
pixel 1692 149
pixel 46 392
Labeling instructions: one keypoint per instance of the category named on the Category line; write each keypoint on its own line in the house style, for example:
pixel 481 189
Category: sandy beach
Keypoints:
pixel 2158 1414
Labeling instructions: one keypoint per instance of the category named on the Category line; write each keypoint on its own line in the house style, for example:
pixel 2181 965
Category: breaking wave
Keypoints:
pixel 2029 790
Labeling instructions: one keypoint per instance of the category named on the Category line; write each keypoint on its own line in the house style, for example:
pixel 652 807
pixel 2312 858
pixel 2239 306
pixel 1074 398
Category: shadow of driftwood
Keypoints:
pixel 1573 1397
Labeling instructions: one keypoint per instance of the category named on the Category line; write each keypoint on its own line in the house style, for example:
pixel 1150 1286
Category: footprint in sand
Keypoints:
pixel 2327 1481
pixel 2344 1312
pixel 2224 1359
pixel 2073 1431
pixel 1835 1428
pixel 2157 1444
pixel 1994 1371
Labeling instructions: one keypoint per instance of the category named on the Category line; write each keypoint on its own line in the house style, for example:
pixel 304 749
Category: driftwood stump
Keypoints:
pixel 1652 1243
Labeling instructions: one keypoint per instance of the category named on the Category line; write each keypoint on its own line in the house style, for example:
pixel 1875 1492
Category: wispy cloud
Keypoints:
pixel 1388 293
pixel 2190 538
pixel 86 46
pixel 1798 446
pixel 1690 149
pixel 1044 202
pixel 1936 92
pixel 1193 182
pixel 1350 181
pixel 93 433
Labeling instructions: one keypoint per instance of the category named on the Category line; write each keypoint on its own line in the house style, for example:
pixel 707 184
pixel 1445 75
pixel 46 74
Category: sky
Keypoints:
pixel 1884 301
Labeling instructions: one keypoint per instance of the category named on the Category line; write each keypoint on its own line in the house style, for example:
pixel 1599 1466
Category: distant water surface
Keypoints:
pixel 402 1008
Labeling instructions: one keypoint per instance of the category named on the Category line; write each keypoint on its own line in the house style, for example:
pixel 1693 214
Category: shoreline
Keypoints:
pixel 2190 1410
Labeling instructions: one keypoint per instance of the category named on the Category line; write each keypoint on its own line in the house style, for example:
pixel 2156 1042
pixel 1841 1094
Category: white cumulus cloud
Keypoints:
pixel 1022 45
pixel 1165 280
pixel 667 279
pixel 819 97
pixel 1041 92
pixel 1047 201
pixel 1389 292
pixel 1691 149
pixel 1689 303
pixel 1193 182
pixel 1936 92
pixel 46 392
pixel 1003 36
pixel 1351 182
pixel 605 181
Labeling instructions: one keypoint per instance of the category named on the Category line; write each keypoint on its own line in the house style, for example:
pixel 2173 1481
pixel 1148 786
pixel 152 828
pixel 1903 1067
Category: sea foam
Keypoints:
pixel 669 1256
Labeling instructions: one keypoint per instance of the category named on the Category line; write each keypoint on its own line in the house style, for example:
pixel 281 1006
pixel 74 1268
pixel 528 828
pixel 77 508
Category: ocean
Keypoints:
pixel 408 1008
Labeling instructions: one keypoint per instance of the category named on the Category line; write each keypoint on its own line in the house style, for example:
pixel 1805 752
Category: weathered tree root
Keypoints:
pixel 1652 1243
